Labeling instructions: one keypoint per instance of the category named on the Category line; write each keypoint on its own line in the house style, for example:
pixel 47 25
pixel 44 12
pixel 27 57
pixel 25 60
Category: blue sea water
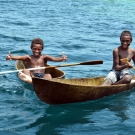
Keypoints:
pixel 84 30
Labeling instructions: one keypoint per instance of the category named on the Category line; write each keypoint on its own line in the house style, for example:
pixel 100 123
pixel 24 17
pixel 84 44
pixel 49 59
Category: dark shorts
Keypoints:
pixel 39 75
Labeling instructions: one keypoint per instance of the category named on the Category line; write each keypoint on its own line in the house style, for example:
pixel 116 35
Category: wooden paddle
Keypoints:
pixel 125 60
pixel 64 65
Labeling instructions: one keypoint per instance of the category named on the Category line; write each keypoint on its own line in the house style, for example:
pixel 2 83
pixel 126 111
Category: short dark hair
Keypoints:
pixel 127 33
pixel 37 41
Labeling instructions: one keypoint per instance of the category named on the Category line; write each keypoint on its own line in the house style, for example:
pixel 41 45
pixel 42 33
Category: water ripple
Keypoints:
pixel 84 30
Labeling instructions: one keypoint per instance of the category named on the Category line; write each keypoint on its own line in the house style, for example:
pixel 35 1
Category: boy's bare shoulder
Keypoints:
pixel 45 56
pixel 27 57
pixel 132 49
pixel 116 49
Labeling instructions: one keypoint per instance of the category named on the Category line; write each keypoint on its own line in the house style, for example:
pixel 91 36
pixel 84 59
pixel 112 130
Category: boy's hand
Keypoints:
pixel 64 57
pixel 8 57
pixel 129 65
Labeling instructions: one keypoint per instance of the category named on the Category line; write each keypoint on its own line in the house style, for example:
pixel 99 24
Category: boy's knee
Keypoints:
pixel 26 71
pixel 47 76
pixel 127 78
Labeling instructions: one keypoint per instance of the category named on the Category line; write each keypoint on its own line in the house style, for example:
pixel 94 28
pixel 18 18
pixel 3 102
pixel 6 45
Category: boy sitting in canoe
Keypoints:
pixel 120 73
pixel 36 60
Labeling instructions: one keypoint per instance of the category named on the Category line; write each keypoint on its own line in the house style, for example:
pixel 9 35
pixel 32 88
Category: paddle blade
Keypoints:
pixel 124 60
pixel 92 62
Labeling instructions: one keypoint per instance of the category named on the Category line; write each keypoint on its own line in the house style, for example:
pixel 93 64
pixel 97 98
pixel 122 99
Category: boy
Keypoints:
pixel 35 60
pixel 120 73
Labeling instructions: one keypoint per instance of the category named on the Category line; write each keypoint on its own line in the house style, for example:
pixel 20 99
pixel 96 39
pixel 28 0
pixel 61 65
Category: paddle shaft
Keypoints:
pixel 130 64
pixel 94 62
pixel 12 71
pixel 64 65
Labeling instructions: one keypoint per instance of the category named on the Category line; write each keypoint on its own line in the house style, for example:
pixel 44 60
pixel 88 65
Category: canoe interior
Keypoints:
pixel 95 81
pixel 55 73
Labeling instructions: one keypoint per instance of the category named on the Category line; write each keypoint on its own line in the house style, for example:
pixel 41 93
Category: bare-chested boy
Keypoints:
pixel 120 73
pixel 36 60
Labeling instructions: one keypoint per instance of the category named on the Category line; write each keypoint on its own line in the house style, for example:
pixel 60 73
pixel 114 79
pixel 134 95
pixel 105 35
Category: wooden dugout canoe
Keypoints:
pixel 61 91
pixel 55 73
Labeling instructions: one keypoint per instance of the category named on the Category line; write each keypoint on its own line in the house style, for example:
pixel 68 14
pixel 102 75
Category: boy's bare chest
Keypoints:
pixel 37 62
pixel 126 54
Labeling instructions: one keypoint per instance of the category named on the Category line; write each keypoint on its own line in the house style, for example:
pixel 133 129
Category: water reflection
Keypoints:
pixel 76 117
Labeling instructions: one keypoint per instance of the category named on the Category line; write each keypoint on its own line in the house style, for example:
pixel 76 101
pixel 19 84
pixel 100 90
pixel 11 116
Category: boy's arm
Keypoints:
pixel 11 57
pixel 133 57
pixel 56 59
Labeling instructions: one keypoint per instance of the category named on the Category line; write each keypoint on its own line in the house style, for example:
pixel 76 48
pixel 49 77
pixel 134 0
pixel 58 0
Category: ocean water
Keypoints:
pixel 84 30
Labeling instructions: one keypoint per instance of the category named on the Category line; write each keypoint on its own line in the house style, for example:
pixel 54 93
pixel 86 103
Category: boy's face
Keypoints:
pixel 36 49
pixel 125 41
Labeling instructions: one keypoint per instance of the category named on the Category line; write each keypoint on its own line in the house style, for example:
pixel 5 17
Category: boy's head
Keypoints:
pixel 126 39
pixel 126 33
pixel 37 41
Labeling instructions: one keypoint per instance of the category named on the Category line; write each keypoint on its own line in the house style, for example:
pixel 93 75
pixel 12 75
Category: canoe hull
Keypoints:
pixel 61 91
